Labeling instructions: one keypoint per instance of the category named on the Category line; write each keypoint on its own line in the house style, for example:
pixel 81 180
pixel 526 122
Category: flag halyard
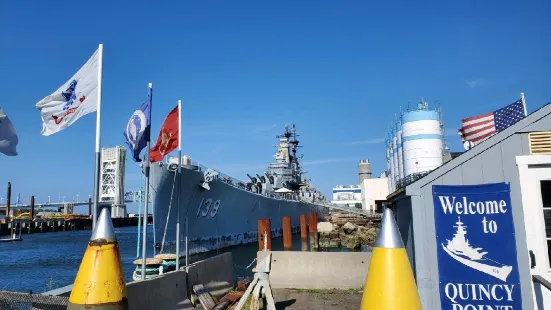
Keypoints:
pixel 72 100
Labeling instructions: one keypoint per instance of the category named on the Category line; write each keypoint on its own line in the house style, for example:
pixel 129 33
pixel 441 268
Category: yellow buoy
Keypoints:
pixel 390 283
pixel 100 283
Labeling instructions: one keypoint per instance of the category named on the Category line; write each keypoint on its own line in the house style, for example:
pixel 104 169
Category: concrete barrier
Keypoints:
pixel 163 292
pixel 317 270
pixel 216 274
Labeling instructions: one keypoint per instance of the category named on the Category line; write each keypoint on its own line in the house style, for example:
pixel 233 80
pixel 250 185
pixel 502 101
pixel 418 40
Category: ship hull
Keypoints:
pixel 221 216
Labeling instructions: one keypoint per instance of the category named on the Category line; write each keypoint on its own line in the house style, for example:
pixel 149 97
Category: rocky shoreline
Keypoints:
pixel 348 230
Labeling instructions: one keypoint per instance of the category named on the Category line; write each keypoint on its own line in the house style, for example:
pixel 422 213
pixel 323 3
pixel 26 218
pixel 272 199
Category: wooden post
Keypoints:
pixel 312 228
pixel 8 200
pixel 32 208
pixel 287 234
pixel 264 235
pixel 303 228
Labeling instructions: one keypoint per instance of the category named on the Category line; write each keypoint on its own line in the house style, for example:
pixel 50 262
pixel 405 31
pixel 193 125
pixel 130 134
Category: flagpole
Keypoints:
pixel 523 103
pixel 98 131
pixel 179 185
pixel 146 199
pixel 140 219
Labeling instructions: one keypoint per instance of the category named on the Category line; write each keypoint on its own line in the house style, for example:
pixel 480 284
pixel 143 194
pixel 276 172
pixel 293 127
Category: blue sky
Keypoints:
pixel 338 70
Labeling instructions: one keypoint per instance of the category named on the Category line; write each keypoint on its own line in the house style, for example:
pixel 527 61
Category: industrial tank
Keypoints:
pixel 364 170
pixel 399 149
pixel 388 164
pixel 421 139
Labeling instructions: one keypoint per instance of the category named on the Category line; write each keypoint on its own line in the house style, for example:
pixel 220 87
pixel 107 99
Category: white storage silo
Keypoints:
pixel 388 165
pixel 395 156
pixel 421 139
pixel 400 149
pixel 392 162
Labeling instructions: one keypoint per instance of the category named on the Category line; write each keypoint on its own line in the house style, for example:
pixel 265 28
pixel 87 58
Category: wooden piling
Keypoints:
pixel 8 200
pixel 313 230
pixel 287 234
pixel 303 228
pixel 264 235
pixel 32 208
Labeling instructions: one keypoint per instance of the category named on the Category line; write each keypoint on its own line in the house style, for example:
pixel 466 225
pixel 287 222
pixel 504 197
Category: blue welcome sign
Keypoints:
pixel 476 247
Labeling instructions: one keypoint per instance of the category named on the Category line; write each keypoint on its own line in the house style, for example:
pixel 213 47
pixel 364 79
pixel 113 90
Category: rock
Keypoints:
pixel 324 242
pixel 335 243
pixel 324 235
pixel 325 227
pixel 349 228
pixel 354 243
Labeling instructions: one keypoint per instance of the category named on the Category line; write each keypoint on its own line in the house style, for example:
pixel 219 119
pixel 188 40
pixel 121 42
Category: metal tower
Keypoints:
pixel 113 161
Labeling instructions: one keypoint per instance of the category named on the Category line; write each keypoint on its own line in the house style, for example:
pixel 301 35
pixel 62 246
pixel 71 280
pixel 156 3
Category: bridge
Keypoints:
pixel 129 197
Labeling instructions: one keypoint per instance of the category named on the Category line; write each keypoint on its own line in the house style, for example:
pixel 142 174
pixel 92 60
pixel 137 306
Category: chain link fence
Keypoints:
pixel 25 301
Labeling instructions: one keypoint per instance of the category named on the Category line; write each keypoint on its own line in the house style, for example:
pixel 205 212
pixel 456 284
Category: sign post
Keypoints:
pixel 476 247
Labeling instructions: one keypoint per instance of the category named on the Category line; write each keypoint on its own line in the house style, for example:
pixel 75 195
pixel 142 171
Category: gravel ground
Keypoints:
pixel 317 299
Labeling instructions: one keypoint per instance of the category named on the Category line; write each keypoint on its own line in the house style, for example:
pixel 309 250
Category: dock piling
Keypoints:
pixel 303 228
pixel 8 200
pixel 287 234
pixel 390 272
pixel 264 235
pixel 100 282
pixel 313 230
pixel 32 209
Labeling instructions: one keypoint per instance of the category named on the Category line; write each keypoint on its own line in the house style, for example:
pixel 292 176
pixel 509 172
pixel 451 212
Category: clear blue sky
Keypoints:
pixel 338 69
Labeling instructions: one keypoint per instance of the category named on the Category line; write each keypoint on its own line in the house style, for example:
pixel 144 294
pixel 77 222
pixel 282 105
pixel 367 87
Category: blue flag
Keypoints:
pixel 137 132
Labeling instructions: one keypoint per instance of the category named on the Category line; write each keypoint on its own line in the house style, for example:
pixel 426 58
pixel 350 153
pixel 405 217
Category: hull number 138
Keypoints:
pixel 207 206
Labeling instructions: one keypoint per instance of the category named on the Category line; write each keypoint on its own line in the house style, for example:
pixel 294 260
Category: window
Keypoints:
pixel 545 186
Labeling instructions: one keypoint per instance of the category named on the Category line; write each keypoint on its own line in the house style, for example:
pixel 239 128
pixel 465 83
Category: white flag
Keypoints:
pixel 8 137
pixel 74 99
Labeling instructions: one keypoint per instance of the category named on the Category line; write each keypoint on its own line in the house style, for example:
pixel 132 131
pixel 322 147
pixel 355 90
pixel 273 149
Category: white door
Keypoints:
pixel 535 183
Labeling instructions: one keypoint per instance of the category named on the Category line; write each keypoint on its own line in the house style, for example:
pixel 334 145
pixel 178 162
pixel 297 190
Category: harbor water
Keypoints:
pixel 46 261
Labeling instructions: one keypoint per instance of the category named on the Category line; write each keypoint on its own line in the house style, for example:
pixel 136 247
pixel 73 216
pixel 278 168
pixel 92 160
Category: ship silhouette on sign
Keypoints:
pixel 460 250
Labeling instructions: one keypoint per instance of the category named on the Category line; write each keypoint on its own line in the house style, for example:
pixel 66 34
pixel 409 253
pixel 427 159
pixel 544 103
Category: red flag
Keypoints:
pixel 168 137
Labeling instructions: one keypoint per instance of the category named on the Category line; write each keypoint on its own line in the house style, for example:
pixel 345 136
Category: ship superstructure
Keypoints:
pixel 223 211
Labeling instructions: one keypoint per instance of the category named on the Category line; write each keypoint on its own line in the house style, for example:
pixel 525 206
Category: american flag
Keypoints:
pixel 481 127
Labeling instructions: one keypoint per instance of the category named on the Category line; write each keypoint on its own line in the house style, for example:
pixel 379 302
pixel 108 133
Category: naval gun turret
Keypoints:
pixel 270 178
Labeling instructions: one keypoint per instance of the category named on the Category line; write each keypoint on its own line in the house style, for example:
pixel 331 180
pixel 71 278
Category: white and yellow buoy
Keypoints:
pixel 390 283
pixel 100 283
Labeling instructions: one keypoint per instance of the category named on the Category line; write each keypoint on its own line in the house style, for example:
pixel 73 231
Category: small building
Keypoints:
pixel 520 155
pixel 347 195
pixel 373 190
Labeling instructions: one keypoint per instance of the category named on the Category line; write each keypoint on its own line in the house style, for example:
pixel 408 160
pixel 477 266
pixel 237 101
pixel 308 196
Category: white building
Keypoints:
pixel 347 195
pixel 372 190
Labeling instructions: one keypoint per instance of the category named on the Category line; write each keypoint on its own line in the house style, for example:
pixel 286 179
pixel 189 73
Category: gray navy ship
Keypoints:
pixel 223 211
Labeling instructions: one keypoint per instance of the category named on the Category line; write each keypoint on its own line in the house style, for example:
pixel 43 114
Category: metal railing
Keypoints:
pixel 410 179
pixel 541 280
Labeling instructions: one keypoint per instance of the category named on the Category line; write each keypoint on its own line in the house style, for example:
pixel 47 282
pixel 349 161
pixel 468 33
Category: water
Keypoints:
pixel 46 261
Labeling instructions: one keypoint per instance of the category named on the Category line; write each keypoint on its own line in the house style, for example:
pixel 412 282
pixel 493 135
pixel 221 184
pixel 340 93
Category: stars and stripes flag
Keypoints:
pixel 478 128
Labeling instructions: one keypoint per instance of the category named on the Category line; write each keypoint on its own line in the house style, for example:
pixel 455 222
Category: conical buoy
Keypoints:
pixel 99 283
pixel 390 283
